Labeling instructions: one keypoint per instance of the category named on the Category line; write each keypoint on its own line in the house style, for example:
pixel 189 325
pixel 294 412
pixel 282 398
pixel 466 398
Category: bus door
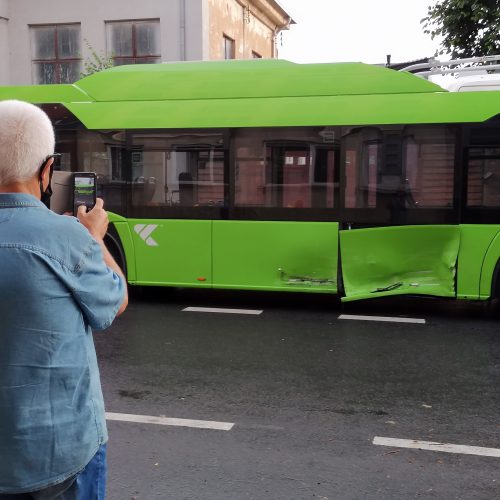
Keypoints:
pixel 398 260
pixel 398 192
pixel 479 259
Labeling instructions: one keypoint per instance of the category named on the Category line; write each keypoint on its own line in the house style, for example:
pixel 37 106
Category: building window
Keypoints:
pixel 134 42
pixel 256 55
pixel 228 47
pixel 55 53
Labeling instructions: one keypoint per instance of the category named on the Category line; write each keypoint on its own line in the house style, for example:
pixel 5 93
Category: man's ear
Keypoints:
pixel 46 171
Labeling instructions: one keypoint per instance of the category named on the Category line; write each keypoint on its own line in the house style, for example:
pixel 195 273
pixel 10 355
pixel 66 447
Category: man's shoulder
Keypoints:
pixel 59 225
pixel 60 237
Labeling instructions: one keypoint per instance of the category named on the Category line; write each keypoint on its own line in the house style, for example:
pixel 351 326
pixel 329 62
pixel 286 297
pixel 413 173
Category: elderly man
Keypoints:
pixel 57 281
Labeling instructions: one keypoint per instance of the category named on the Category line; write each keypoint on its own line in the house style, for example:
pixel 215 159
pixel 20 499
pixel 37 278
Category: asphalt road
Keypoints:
pixel 307 392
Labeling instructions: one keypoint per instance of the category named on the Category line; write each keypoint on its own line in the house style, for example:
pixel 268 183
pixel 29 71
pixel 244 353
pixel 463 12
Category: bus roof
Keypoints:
pixel 245 79
pixel 218 94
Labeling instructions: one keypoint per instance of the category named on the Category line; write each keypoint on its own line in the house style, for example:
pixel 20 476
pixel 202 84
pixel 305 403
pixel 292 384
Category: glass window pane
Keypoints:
pixel 44 73
pixel 363 153
pixel 284 167
pixel 68 42
pixel 101 152
pixel 429 162
pixel 69 72
pixel 484 152
pixel 483 185
pixel 43 42
pixel 147 60
pixel 178 169
pixel 120 62
pixel 147 39
pixel 228 48
pixel 120 39
pixel 395 168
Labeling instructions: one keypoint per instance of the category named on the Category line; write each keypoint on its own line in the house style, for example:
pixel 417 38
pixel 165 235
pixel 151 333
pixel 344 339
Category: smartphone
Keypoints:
pixel 84 190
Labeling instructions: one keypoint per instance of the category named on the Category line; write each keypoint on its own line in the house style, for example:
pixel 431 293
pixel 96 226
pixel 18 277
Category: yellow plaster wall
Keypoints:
pixel 245 24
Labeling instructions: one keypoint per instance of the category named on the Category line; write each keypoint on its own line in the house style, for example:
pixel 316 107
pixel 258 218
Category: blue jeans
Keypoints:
pixel 88 484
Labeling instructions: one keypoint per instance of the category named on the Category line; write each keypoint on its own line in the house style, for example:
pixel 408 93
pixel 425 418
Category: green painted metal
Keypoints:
pixel 172 252
pixel 257 93
pixel 254 255
pixel 116 218
pixel 271 255
pixel 45 94
pixel 246 79
pixel 399 260
pixel 291 111
pixel 489 263
pixel 473 270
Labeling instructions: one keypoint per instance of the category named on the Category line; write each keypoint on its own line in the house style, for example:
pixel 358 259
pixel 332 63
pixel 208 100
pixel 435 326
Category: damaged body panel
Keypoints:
pixel 400 260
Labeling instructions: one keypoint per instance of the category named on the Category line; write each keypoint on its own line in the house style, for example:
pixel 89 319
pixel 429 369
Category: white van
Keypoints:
pixel 461 75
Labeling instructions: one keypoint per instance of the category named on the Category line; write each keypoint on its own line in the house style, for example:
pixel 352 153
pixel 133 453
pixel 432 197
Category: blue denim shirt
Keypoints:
pixel 54 287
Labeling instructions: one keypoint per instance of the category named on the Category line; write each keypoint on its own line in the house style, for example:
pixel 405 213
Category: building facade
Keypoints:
pixel 55 41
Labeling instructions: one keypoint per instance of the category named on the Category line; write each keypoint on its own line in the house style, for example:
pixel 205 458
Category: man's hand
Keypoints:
pixel 96 220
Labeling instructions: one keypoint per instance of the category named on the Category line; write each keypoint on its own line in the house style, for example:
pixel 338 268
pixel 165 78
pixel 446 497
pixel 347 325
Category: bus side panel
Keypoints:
pixel 270 255
pixel 472 273
pixel 172 252
pixel 123 231
pixel 399 260
pixel 490 261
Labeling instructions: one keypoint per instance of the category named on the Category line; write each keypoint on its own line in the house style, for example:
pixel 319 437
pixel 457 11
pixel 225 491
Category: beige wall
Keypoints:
pixel 246 23
pixel 190 29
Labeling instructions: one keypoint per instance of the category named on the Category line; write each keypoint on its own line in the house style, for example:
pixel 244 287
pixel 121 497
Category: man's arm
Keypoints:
pixel 96 221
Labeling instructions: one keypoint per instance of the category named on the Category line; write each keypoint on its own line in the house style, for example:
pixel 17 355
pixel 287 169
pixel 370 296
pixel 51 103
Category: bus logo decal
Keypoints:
pixel 144 231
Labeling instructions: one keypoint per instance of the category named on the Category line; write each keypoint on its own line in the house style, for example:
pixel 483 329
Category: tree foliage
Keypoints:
pixel 95 62
pixel 468 28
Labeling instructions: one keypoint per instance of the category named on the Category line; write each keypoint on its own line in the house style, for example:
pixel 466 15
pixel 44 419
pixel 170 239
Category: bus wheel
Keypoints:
pixel 114 246
pixel 493 304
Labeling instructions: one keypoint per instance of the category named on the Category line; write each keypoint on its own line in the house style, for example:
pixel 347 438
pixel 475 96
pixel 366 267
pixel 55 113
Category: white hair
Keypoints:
pixel 26 139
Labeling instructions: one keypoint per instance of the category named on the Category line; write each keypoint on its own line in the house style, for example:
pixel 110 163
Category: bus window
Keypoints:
pixel 361 159
pixel 429 162
pixel 483 183
pixel 177 169
pixel 99 152
pixel 396 168
pixel 285 167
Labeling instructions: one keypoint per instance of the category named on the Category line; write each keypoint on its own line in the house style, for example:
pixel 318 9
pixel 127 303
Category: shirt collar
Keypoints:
pixel 13 200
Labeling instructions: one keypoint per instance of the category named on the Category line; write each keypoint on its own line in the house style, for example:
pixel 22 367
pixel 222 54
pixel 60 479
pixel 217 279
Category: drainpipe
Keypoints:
pixel 182 30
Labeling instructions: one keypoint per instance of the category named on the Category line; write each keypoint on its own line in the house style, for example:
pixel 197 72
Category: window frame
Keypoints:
pixel 134 58
pixel 225 39
pixel 57 61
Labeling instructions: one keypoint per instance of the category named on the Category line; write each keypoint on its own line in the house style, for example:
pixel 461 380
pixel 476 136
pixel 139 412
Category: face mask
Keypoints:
pixel 47 193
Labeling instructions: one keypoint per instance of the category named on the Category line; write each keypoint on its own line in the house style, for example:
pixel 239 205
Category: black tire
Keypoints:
pixel 113 244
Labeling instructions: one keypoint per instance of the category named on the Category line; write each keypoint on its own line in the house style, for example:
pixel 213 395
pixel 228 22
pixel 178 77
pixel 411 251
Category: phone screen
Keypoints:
pixel 84 191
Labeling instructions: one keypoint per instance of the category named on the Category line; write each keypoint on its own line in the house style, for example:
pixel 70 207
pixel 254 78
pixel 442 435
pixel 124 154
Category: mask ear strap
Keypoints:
pixel 47 191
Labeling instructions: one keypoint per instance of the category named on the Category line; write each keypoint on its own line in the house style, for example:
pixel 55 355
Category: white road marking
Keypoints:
pixel 178 422
pixel 222 310
pixel 382 318
pixel 444 447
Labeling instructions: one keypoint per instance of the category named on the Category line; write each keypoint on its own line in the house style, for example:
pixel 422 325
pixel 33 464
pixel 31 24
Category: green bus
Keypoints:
pixel 342 178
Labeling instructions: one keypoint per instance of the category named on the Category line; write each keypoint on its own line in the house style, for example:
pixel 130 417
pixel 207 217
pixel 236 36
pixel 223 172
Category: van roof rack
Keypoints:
pixel 457 66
